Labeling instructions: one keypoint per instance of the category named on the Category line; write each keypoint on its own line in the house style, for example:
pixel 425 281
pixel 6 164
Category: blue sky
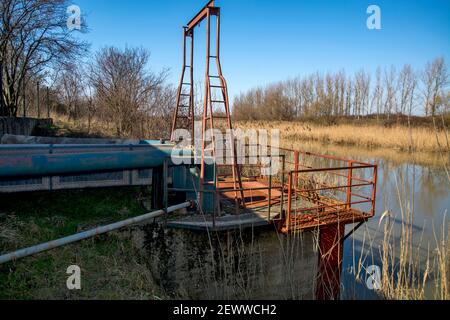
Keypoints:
pixel 264 41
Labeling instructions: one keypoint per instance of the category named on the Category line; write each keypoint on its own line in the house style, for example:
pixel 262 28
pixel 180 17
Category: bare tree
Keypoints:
pixel 335 94
pixel 390 102
pixel 407 86
pixel 70 89
pixel 125 89
pixel 377 97
pixel 33 35
pixel 361 91
pixel 435 80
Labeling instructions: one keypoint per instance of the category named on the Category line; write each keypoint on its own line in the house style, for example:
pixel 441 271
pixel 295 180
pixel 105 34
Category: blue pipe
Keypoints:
pixel 81 146
pixel 75 163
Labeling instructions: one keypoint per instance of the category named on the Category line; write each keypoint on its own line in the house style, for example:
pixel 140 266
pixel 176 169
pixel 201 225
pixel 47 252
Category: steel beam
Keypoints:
pixel 199 17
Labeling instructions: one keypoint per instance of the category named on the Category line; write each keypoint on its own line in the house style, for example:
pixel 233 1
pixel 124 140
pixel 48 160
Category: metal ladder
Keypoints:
pixel 212 104
pixel 184 116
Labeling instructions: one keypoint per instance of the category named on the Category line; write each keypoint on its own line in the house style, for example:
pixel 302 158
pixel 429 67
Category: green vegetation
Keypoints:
pixel 111 266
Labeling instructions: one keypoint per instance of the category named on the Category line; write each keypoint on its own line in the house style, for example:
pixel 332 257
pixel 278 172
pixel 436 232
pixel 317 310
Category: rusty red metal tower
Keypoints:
pixel 216 101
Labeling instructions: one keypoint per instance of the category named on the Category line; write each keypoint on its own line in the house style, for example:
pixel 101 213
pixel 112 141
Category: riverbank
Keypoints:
pixel 397 137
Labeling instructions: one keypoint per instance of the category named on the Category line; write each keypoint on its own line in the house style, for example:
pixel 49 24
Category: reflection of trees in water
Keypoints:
pixel 434 191
pixel 424 190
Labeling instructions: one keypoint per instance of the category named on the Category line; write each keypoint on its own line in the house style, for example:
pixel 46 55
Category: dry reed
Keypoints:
pixel 371 136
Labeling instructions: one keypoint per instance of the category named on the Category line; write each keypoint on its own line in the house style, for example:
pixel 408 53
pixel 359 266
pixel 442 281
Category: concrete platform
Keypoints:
pixel 224 223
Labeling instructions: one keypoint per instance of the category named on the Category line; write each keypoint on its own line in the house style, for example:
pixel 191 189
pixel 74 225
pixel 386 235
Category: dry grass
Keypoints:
pixel 442 264
pixel 147 128
pixel 371 136
pixel 411 268
pixel 112 267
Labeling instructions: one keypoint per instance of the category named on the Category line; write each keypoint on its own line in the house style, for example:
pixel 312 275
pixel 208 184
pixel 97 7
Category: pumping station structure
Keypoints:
pixel 324 195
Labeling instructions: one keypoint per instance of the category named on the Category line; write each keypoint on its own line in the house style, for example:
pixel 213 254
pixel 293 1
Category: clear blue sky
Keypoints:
pixel 266 40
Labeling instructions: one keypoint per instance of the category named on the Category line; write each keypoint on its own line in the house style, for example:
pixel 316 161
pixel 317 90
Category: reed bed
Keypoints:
pixel 399 137
pixel 413 266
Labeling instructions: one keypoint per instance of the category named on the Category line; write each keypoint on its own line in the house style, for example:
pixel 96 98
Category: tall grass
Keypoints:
pixel 372 136
pixel 411 267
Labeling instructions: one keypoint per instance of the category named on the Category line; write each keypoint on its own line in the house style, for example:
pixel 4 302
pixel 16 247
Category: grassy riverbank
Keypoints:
pixel 111 267
pixel 398 137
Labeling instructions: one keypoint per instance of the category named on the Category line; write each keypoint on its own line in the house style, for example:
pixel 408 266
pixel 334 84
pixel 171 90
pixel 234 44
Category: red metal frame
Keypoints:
pixel 296 218
pixel 338 211
pixel 208 119
pixel 343 206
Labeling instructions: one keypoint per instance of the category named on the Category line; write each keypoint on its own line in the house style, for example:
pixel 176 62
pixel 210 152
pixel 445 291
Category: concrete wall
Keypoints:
pixel 21 126
pixel 258 264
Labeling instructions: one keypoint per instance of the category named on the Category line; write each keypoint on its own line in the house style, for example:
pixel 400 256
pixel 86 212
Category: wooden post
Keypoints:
pixel 24 88
pixel 48 103
pixel 38 100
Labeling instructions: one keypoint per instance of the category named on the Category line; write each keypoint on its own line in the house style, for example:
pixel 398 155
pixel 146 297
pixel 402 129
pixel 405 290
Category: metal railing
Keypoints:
pixel 350 196
pixel 307 185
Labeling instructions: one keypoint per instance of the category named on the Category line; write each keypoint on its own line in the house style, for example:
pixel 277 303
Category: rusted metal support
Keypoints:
pixel 330 262
pixel 374 190
pixel 199 16
pixel 270 190
pixel 191 93
pixel 359 225
pixel 296 167
pixel 289 210
pixel 349 183
pixel 283 181
pixel 209 102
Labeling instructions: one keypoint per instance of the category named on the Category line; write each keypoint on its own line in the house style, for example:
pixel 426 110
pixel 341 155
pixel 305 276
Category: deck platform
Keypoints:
pixel 264 208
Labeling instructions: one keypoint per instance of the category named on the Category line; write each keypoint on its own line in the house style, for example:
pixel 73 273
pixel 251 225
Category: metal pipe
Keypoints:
pixel 33 147
pixel 14 256
pixel 59 164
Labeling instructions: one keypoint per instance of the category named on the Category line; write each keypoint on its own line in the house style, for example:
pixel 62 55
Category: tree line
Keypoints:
pixel 44 64
pixel 386 93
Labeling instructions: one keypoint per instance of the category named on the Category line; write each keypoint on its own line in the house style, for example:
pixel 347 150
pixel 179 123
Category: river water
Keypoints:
pixel 409 185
